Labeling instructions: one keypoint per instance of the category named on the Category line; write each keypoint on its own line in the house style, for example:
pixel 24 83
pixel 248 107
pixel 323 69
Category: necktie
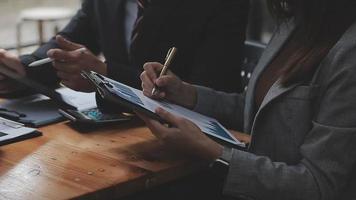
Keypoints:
pixel 142 5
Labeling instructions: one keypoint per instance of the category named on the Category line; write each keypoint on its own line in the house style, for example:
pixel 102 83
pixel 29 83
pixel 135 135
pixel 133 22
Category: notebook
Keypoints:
pixel 11 132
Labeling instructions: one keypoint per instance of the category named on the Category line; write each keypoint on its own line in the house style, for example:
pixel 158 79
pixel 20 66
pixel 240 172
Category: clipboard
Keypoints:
pixel 124 95
pixel 104 87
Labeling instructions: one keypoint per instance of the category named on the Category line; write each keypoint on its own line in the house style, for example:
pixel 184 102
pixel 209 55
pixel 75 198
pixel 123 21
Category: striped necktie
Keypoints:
pixel 142 5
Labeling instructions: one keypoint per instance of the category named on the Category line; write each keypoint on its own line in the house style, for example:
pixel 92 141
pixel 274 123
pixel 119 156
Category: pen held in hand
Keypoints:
pixel 48 60
pixel 41 62
pixel 168 61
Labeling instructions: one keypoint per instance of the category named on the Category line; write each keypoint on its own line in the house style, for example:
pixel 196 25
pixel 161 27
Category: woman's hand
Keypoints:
pixel 170 86
pixel 184 136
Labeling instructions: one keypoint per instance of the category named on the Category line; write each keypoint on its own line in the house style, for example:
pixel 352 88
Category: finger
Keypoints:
pixel 160 94
pixel 149 123
pixel 2 53
pixel 147 94
pixel 165 81
pixel 157 95
pixel 147 91
pixel 66 44
pixel 169 117
pixel 147 81
pixel 61 55
pixel 12 62
pixel 152 69
pixel 157 129
pixel 66 67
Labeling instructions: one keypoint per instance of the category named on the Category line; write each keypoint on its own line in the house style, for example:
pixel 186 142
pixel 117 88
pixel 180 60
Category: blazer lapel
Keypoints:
pixel 275 91
pixel 277 42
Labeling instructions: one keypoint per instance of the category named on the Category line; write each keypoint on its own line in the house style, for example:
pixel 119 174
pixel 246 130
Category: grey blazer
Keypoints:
pixel 303 136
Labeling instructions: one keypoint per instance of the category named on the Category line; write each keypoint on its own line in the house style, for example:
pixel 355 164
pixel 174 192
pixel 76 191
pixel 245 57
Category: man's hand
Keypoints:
pixel 184 136
pixel 12 62
pixel 69 63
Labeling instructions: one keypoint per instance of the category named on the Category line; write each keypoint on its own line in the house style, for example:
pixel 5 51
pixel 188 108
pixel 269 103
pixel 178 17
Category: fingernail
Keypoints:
pixel 162 95
pixel 158 82
pixel 159 110
pixel 50 53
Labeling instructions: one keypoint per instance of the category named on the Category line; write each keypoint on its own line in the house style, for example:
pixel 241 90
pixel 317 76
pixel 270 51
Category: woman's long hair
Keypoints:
pixel 320 24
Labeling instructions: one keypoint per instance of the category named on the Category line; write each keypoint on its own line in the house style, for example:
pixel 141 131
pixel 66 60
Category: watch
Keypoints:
pixel 220 166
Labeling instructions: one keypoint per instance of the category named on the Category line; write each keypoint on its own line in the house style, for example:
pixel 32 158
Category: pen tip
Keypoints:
pixel 153 92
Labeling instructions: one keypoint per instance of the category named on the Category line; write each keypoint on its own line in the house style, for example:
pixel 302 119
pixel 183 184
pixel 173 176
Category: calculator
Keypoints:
pixel 94 116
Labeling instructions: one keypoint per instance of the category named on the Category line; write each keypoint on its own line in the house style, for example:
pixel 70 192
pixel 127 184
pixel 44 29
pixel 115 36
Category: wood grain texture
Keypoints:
pixel 106 163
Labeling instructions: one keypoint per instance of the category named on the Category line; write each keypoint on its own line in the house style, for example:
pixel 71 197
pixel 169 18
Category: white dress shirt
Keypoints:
pixel 131 10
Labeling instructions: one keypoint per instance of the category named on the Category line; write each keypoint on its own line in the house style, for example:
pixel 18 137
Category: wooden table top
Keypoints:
pixel 107 162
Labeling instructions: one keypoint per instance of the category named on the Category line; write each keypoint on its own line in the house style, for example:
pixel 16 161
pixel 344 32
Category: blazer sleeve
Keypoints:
pixel 221 53
pixel 226 108
pixel 79 30
pixel 328 151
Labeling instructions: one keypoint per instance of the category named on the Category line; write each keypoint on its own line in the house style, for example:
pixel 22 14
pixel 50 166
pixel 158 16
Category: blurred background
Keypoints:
pixel 24 24
pixel 11 12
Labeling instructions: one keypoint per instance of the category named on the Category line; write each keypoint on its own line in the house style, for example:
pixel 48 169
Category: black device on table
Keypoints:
pixel 93 116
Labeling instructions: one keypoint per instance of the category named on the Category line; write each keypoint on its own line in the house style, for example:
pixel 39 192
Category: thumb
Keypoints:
pixel 169 117
pixel 66 44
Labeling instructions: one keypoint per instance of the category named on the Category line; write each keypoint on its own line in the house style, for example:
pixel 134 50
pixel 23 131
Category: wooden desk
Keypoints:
pixel 106 163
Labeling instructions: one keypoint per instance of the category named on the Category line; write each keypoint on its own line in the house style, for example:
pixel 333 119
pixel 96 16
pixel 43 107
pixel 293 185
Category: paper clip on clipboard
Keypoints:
pixel 98 81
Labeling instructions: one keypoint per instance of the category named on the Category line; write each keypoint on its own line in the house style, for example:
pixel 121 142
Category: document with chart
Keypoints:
pixel 134 99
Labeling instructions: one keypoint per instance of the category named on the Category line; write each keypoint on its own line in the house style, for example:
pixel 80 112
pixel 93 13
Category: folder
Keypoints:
pixel 34 110
pixel 124 95
pixel 11 132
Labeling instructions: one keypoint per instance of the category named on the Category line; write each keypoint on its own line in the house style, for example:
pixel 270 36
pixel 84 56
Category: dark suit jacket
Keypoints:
pixel 208 33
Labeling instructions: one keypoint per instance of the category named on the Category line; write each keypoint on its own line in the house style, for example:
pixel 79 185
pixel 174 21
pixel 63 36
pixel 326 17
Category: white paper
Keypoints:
pixel 12 129
pixel 80 100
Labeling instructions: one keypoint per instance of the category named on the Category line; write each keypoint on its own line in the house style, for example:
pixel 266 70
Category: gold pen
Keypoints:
pixel 168 61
